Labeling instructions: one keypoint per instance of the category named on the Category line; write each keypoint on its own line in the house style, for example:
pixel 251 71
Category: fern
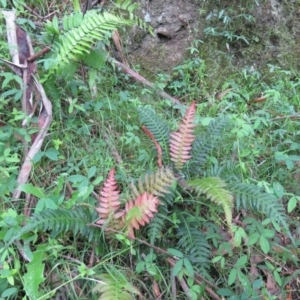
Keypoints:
pixel 155 227
pixel 194 244
pixel 213 188
pixel 140 211
pixel 205 143
pixel 181 141
pixel 249 195
pixel 157 183
pixel 81 31
pixel 60 221
pixel 128 7
pixel 115 288
pixel 159 129
pixel 109 201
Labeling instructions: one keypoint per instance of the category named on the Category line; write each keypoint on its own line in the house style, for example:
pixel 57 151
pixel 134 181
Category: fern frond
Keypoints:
pixel 194 245
pixel 115 287
pixel 82 31
pixel 129 7
pixel 140 211
pixel 159 129
pixel 181 140
pixel 60 221
pixel 214 189
pixel 206 142
pixel 109 200
pixel 249 195
pixel 155 227
pixel 157 183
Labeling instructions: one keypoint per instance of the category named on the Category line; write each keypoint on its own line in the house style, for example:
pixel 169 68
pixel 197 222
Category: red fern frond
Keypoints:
pixel 109 198
pixel 181 140
pixel 140 211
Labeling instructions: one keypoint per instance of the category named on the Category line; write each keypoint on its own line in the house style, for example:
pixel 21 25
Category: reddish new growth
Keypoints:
pixel 109 201
pixel 140 211
pixel 181 140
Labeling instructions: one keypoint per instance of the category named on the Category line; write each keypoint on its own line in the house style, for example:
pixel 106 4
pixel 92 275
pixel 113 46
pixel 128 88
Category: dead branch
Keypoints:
pixel 136 76
pixel 38 142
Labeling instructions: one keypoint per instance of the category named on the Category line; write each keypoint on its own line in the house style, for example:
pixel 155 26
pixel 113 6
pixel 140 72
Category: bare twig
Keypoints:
pixel 38 142
pixel 39 54
pixel 136 76
pixel 185 288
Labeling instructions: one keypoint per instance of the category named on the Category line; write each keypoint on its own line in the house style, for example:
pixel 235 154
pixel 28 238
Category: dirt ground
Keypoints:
pixel 273 35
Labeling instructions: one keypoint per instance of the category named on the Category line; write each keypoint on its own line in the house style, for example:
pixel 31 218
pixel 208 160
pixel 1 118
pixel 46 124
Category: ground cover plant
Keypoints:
pixel 136 197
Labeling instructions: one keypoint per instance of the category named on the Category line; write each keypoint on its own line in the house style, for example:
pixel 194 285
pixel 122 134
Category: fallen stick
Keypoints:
pixel 136 76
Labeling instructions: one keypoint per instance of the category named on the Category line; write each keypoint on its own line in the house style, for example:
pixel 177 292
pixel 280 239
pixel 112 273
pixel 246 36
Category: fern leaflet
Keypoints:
pixel 115 287
pixel 249 195
pixel 159 129
pixel 206 142
pixel 109 201
pixel 213 188
pixel 157 183
pixel 181 140
pixel 59 221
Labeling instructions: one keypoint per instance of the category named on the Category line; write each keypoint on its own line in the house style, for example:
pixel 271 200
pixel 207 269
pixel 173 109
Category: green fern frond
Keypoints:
pixel 60 221
pixel 249 195
pixel 214 189
pixel 128 7
pixel 115 287
pixel 155 227
pixel 205 143
pixel 194 245
pixel 159 129
pixel 158 183
pixel 82 31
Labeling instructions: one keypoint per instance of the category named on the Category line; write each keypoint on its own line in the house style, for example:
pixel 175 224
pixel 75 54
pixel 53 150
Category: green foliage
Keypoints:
pixel 177 211
pixel 194 245
pixel 214 189
pixel 81 31
pixel 115 286
pixel 250 196
pixel 158 127
pixel 206 142
pixel 59 221
pixel 158 183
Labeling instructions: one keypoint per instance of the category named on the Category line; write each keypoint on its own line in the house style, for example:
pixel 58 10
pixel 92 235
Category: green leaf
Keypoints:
pixel 92 172
pixel 232 276
pixel 52 154
pixel 29 188
pixel 175 252
pixel 9 292
pixel 151 269
pixel 292 204
pixel 35 273
pixel 268 233
pixel 178 267
pixel 241 261
pixel 264 245
pixel 278 189
pixel 216 259
pixel 277 278
pixel 244 280
pixel 224 292
pixel 188 267
pixel 140 267
pixel 253 238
